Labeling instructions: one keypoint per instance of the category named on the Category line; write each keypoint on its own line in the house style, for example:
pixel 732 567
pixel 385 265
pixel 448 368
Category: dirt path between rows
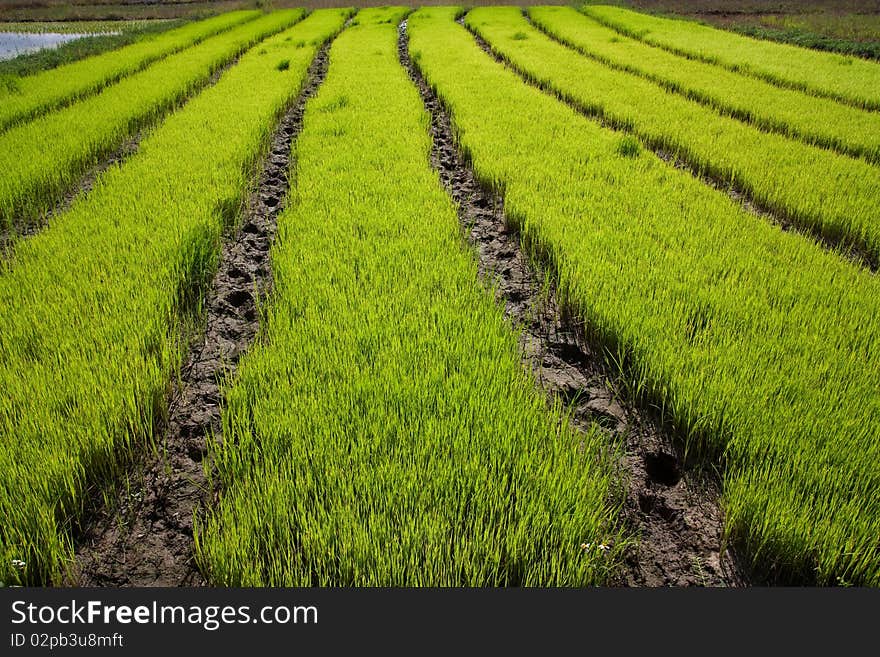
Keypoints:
pixel 148 539
pixel 858 255
pixel 9 237
pixel 670 504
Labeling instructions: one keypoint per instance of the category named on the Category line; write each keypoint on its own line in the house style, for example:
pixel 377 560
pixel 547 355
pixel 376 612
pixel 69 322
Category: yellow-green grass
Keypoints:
pixel 383 431
pixel 90 330
pixel 845 78
pixel 42 159
pixel 760 346
pixel 813 119
pixel 829 193
pixel 22 98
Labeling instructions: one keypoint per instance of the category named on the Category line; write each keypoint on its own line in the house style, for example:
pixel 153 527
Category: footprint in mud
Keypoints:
pixel 653 505
pixel 197 449
pixel 238 299
pixel 567 352
pixel 662 468
pixel 237 274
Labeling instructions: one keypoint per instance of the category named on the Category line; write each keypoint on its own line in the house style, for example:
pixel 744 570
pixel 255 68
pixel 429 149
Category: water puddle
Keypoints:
pixel 13 44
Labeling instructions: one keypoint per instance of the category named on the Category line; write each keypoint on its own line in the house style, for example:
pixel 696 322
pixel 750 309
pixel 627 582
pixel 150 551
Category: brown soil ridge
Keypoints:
pixel 670 504
pixel 857 254
pixel 9 237
pixel 148 539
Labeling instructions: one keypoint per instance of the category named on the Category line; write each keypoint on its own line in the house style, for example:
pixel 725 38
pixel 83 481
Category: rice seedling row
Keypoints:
pixel 383 430
pixel 10 235
pixel 847 79
pixel 822 191
pixel 24 97
pixel 669 505
pixel 810 118
pixel 44 158
pixel 858 255
pixel 759 346
pixel 97 310
pixel 122 547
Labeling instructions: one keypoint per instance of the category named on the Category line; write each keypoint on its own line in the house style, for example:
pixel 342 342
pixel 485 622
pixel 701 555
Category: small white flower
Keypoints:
pixel 18 563
pixel 604 547
pixel 586 546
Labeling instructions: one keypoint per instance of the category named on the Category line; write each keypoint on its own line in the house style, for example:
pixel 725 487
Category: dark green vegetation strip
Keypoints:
pixel 80 27
pixel 22 98
pixel 829 193
pixel 813 119
pixel 762 348
pixel 384 431
pixel 43 158
pixel 807 37
pixel 851 80
pixel 90 332
pixel 95 44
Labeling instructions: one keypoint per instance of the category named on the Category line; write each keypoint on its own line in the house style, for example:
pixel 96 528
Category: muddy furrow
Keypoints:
pixel 672 506
pixel 24 229
pixel 148 539
pixel 856 254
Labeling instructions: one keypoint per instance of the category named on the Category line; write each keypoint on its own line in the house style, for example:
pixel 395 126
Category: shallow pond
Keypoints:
pixel 17 43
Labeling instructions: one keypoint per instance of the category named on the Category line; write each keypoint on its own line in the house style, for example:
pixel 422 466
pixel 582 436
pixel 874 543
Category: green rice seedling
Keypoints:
pixel 762 347
pixel 810 118
pixel 384 431
pixel 831 194
pixel 10 83
pixel 629 146
pixel 90 333
pixel 43 158
pixel 853 81
pixel 36 94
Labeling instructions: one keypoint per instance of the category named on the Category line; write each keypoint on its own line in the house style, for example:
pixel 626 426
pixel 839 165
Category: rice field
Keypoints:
pixel 695 210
